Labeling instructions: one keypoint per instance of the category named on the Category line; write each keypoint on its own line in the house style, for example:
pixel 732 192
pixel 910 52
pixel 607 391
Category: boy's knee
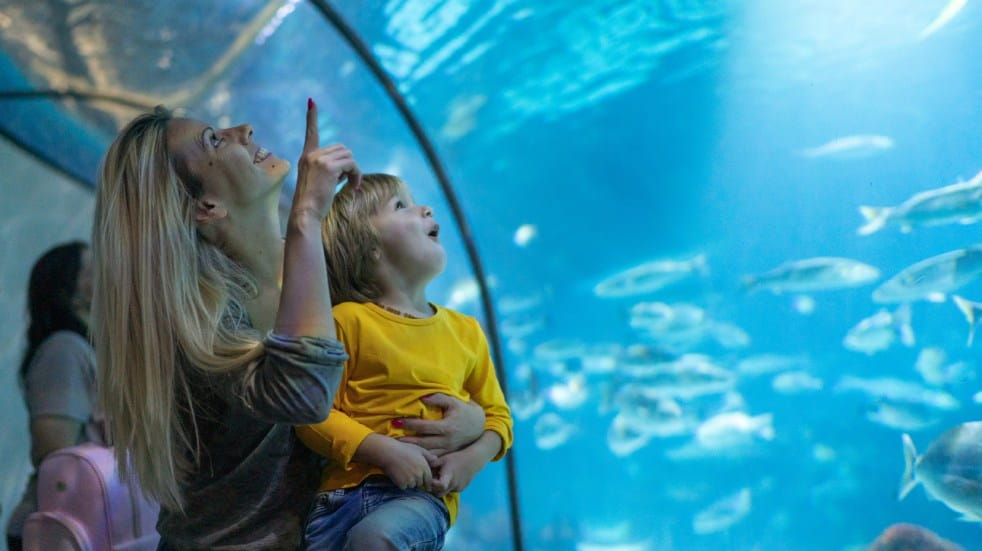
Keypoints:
pixel 366 537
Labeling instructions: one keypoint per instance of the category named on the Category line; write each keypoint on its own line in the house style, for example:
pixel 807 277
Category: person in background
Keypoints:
pixel 213 334
pixel 57 373
pixel 378 490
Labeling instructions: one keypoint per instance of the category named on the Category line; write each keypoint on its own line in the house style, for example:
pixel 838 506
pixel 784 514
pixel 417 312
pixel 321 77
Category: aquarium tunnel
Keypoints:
pixel 726 253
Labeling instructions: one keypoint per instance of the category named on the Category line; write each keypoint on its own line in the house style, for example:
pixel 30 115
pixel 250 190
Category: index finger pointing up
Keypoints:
pixel 312 140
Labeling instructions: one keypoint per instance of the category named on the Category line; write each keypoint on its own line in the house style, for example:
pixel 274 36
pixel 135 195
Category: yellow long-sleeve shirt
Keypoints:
pixel 393 362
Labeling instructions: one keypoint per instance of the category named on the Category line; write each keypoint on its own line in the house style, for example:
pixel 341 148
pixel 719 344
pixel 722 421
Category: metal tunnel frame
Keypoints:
pixel 365 53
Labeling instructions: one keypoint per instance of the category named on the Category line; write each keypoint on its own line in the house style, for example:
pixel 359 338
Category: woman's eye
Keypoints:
pixel 215 140
pixel 399 205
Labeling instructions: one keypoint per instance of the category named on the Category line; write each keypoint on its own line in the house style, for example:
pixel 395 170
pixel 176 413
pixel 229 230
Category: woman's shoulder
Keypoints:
pixel 67 342
pixel 63 355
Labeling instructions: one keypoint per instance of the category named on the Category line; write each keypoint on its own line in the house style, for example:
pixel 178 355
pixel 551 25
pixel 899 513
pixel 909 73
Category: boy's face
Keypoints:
pixel 409 238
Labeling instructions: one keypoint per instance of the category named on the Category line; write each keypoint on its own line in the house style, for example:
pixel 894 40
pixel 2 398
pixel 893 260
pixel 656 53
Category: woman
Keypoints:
pixel 57 372
pixel 190 274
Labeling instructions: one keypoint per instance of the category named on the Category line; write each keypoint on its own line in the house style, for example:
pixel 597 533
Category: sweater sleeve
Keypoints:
pixel 295 381
pixel 482 385
pixel 337 437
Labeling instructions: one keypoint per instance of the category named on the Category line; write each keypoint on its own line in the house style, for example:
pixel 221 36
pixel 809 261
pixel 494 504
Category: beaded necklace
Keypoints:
pixel 396 312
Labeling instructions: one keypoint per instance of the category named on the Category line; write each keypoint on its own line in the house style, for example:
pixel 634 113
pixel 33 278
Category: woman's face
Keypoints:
pixel 233 170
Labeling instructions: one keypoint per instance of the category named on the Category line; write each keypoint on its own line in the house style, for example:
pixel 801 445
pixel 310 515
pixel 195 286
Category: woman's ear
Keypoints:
pixel 207 211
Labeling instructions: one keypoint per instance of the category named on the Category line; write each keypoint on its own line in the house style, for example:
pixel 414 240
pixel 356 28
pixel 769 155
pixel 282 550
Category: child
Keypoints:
pixel 378 492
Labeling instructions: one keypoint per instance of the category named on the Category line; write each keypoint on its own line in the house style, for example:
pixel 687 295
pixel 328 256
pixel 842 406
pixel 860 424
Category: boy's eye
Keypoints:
pixel 215 140
pixel 399 205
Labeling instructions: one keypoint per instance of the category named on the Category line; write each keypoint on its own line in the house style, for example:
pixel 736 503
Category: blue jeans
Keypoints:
pixel 376 515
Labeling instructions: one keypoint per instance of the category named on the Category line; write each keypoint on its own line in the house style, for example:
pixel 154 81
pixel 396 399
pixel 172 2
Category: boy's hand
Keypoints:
pixel 408 465
pixel 455 471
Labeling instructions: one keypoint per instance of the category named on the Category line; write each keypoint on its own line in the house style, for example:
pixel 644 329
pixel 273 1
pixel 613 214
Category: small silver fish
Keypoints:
pixel 814 274
pixel 650 277
pixel 950 469
pixel 879 331
pixel 857 146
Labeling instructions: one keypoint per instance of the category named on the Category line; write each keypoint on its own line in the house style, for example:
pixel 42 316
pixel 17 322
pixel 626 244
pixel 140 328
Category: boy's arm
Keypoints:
pixel 338 436
pixel 483 387
pixel 457 469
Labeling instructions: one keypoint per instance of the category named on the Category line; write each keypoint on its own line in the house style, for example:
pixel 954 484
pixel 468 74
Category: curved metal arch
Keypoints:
pixel 363 51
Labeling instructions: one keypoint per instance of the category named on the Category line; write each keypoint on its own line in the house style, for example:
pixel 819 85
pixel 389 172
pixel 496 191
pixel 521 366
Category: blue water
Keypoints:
pixel 620 153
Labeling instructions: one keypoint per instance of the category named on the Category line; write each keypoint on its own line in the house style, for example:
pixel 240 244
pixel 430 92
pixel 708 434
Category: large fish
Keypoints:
pixel 650 277
pixel 959 203
pixel 814 274
pixel 932 278
pixel 950 469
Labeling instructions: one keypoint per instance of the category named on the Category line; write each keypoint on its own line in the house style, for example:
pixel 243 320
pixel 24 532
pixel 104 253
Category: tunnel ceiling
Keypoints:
pixel 74 71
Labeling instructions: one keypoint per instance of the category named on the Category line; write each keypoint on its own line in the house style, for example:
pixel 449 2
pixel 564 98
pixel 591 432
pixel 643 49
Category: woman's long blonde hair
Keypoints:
pixel 166 302
pixel 350 240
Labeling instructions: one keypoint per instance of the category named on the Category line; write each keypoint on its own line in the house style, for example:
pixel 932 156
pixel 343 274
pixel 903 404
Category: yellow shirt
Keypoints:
pixel 394 362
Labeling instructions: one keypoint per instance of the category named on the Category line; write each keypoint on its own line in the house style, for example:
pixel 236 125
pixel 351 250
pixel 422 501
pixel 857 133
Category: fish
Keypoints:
pixel 949 11
pixel 857 146
pixel 625 437
pixel 879 331
pixel 897 390
pixel 524 234
pixel 525 404
pixel 666 318
pixel 950 470
pixel 763 364
pixel 734 429
pixel 794 382
pixel 910 537
pixel 902 416
pixel 813 274
pixel 681 327
pixel 959 203
pixel 690 376
pixel 569 392
pixel 650 277
pixel 971 311
pixel 551 431
pixel 723 514
pixel 932 278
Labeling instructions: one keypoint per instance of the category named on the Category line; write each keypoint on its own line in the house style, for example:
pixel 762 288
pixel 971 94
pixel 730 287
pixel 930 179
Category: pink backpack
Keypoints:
pixel 84 506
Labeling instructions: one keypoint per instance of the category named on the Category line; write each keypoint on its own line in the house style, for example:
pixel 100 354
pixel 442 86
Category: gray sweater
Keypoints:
pixel 256 480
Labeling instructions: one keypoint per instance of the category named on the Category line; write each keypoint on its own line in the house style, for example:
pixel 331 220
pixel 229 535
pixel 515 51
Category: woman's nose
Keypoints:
pixel 242 133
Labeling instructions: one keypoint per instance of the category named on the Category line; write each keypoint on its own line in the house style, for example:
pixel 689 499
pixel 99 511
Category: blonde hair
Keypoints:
pixel 166 302
pixel 350 239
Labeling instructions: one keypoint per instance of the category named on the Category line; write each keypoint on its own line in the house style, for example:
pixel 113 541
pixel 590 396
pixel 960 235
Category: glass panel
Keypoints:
pixel 625 165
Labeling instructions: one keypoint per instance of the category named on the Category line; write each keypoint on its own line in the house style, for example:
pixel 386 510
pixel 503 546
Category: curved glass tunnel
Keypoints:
pixel 700 332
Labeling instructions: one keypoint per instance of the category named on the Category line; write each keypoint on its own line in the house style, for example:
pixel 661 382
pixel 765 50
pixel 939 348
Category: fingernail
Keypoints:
pixel 397 422
pixel 310 103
